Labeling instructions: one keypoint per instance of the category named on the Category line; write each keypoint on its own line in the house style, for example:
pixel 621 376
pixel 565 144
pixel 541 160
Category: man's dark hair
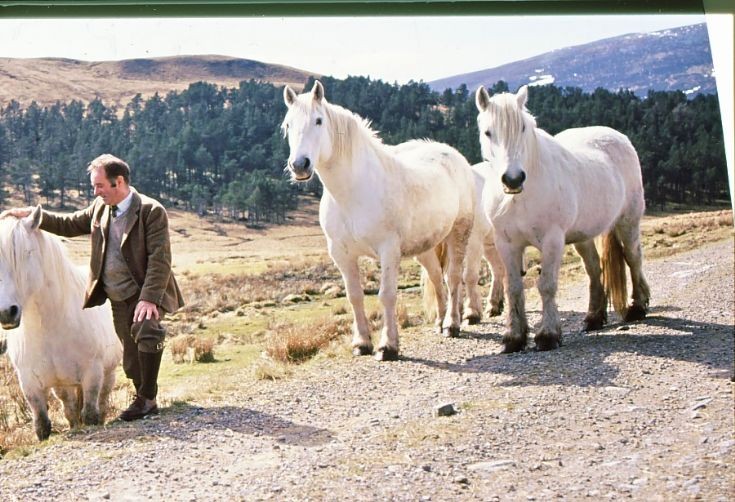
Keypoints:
pixel 113 167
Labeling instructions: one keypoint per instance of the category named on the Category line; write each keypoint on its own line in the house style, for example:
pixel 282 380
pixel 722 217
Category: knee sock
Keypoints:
pixel 150 363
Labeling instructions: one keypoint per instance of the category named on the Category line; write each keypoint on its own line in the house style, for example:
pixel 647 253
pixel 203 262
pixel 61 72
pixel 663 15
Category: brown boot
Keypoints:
pixel 140 408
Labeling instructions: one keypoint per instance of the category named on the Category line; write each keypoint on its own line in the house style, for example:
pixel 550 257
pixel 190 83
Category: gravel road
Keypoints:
pixel 641 411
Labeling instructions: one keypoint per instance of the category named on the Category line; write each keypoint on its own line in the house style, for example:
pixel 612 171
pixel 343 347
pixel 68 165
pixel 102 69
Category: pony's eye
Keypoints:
pixel 487 133
pixel 319 121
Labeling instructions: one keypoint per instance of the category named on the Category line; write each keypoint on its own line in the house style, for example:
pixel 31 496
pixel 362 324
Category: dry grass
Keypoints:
pixel 16 417
pixel 296 343
pixel 667 235
pixel 403 318
pixel 191 348
pixel 661 236
pixel 14 410
pixel 207 294
pixel 268 369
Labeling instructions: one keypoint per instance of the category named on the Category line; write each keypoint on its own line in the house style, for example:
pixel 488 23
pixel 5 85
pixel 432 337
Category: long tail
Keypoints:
pixel 614 278
pixel 427 287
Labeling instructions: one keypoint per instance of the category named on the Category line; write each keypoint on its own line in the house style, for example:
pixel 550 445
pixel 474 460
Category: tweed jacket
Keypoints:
pixel 145 247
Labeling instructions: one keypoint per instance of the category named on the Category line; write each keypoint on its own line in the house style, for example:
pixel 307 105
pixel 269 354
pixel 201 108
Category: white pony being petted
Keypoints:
pixel 550 191
pixel 385 203
pixel 52 342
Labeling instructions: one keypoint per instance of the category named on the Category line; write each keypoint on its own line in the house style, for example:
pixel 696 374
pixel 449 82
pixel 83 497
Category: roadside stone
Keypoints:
pixel 444 410
pixel 496 465
pixel 334 292
pixel 295 298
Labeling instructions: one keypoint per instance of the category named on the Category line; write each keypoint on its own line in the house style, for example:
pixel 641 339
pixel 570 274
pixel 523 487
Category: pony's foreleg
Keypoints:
pixel 471 277
pixel 456 250
pixel 630 237
pixel 108 383
pixel 495 297
pixel 597 310
pixel 348 267
pixel 70 398
pixel 435 295
pixel 516 332
pixel 549 336
pixel 38 402
pixel 390 261
pixel 91 384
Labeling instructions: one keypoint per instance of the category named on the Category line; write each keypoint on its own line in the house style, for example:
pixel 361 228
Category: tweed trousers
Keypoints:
pixel 146 336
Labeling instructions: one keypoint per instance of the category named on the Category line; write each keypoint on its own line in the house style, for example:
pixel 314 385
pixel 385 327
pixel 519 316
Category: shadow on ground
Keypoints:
pixel 664 337
pixel 184 421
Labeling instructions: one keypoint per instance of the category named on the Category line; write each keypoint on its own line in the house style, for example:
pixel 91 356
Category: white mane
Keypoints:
pixel 36 259
pixel 508 125
pixel 347 130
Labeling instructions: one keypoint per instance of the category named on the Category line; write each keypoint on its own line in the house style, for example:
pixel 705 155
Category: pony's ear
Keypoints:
pixel 317 92
pixel 33 220
pixel 482 99
pixel 522 96
pixel 289 96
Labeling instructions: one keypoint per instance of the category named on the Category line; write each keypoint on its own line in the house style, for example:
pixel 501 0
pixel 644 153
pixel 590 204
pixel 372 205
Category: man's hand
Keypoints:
pixel 145 310
pixel 16 212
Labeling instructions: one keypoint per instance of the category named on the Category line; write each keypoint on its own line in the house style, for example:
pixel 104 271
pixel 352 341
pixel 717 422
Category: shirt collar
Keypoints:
pixel 124 205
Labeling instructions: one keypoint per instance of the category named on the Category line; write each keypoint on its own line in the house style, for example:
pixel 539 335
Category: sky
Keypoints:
pixel 392 49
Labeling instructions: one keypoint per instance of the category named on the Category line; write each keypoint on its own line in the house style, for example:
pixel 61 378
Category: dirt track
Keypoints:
pixel 642 411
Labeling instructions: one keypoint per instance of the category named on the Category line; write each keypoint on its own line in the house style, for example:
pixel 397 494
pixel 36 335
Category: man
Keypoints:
pixel 130 264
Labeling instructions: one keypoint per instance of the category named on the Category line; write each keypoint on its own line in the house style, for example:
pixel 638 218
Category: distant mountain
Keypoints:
pixel 674 59
pixel 47 80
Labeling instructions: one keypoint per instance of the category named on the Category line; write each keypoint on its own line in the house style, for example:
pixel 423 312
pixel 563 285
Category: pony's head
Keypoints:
pixel 19 265
pixel 307 127
pixel 505 130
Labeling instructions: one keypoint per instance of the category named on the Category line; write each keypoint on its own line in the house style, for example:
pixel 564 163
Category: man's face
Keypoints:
pixel 104 189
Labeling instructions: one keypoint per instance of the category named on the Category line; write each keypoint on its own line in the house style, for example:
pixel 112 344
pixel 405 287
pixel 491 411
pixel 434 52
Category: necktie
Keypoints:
pixel 113 210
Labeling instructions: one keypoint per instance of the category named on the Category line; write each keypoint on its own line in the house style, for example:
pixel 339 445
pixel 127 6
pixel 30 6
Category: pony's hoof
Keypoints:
pixel 547 341
pixel 514 345
pixel 91 418
pixel 593 323
pixel 43 429
pixel 362 350
pixel 450 332
pixel 386 354
pixel 635 313
pixel 473 319
pixel 495 311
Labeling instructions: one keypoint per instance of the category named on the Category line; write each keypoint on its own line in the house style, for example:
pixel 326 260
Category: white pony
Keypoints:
pixel 552 191
pixel 382 202
pixel 52 342
pixel 481 244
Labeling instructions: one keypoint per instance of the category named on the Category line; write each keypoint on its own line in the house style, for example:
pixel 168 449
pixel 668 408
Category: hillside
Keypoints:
pixel 47 80
pixel 675 59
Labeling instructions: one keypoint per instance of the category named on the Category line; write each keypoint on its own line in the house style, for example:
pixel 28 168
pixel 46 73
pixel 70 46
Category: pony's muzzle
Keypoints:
pixel 10 317
pixel 513 184
pixel 301 168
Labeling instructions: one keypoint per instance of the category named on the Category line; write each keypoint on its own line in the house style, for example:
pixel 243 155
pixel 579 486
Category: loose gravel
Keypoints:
pixel 638 411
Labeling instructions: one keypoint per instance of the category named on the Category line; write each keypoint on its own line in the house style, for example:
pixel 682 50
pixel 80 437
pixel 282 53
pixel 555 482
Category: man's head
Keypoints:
pixel 110 178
